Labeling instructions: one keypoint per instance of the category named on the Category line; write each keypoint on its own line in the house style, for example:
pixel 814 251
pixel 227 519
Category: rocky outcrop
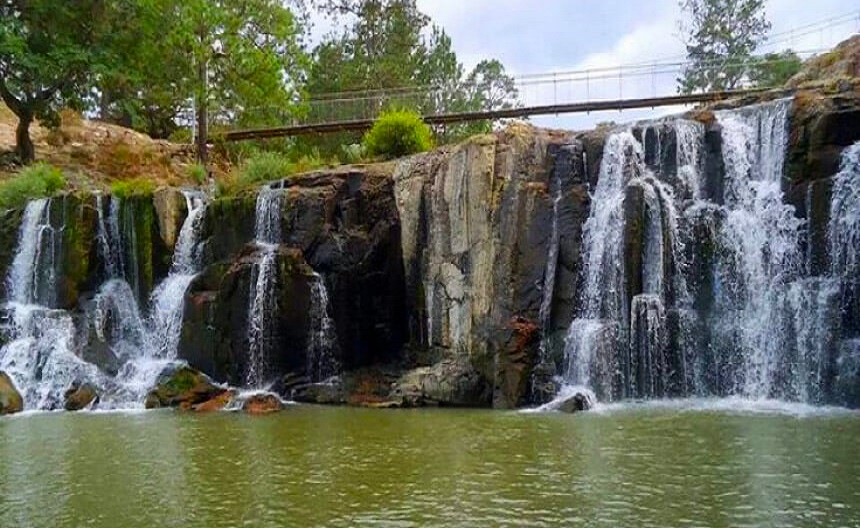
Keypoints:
pixel 341 225
pixel 10 399
pixel 80 396
pixel 170 211
pixel 182 386
pixel 476 223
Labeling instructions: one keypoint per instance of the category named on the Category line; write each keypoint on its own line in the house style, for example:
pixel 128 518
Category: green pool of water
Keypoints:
pixel 313 466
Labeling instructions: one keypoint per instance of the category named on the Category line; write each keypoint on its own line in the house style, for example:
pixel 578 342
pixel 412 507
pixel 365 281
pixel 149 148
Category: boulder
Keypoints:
pixel 328 392
pixel 181 386
pixel 579 401
pixel 217 403
pixel 80 395
pixel 447 383
pixel 10 399
pixel 262 403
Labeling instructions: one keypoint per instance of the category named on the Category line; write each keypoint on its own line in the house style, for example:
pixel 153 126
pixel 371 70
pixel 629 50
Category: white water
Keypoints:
pixel 768 332
pixel 168 298
pixel 323 347
pixel 43 356
pixel 263 303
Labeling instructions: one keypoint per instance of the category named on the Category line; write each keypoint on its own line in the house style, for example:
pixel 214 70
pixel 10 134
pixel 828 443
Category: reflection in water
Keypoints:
pixel 648 466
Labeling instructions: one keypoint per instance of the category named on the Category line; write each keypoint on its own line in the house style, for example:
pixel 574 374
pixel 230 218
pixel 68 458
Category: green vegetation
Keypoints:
pixel 398 133
pixel 132 187
pixel 233 64
pixel 36 181
pixel 264 166
pixel 774 69
pixel 198 173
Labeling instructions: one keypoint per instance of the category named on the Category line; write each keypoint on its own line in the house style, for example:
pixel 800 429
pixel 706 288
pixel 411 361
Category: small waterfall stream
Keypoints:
pixel 323 348
pixel 263 303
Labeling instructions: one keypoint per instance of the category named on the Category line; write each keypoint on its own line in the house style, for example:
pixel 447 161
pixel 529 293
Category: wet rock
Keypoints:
pixel 262 404
pixel 80 396
pixel 448 383
pixel 515 363
pixel 11 400
pixel 181 385
pixel 329 392
pixel 217 403
pixel 170 211
pixel 579 401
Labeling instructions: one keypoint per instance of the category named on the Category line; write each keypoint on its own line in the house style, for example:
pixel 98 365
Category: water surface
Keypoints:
pixel 660 465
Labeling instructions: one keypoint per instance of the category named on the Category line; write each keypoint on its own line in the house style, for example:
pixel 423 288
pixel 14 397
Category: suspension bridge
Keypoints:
pixel 630 86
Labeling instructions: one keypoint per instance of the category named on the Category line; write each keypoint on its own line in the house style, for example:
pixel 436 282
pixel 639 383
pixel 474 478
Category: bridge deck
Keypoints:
pixel 441 119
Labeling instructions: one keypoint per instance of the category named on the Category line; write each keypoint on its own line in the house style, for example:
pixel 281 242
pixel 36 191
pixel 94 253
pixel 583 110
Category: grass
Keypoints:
pixel 132 187
pixel 266 166
pixel 35 181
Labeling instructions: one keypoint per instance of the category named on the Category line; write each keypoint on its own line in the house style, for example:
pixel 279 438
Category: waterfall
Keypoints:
pixel 40 353
pixel 167 299
pixel 323 347
pixel 760 251
pixel 108 236
pixel 633 265
pixel 49 349
pixel 844 224
pixel 689 294
pixel 549 273
pixel 263 303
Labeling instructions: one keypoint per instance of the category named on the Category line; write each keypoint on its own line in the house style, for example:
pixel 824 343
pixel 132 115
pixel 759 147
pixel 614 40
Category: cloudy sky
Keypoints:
pixel 536 36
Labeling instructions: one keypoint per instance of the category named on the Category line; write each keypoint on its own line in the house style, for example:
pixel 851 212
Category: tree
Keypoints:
pixel 236 62
pixel 47 50
pixel 774 69
pixel 390 47
pixel 720 39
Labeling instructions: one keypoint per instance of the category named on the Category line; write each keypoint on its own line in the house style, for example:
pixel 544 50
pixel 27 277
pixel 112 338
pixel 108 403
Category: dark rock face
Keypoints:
pixel 181 386
pixel 342 225
pixel 80 396
pixel 10 399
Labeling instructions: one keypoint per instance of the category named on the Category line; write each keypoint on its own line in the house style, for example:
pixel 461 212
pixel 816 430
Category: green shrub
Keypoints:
pixel 398 133
pixel 132 187
pixel 197 173
pixel 264 166
pixel 35 181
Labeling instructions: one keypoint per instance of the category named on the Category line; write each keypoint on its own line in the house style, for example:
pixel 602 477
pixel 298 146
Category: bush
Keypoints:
pixel 132 187
pixel 35 181
pixel 398 133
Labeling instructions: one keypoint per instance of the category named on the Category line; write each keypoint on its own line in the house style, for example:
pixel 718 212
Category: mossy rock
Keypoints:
pixel 181 386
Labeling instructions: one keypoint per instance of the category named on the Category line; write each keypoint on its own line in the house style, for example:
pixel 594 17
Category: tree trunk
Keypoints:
pixel 202 116
pixel 23 144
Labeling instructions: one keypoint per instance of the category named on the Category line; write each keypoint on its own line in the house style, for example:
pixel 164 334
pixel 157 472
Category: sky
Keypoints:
pixel 536 36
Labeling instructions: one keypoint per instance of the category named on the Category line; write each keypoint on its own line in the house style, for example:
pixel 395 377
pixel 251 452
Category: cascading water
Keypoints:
pixel 691 291
pixel 263 304
pixel 166 301
pixel 48 348
pixel 616 346
pixel 323 347
pixel 40 353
